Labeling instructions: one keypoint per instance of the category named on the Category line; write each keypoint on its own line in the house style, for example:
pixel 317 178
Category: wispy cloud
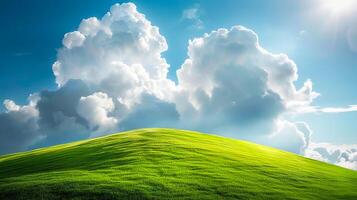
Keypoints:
pixel 193 14
pixel 312 109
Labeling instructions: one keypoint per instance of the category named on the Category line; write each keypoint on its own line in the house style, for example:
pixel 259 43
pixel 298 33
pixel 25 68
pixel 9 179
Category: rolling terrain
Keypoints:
pixel 169 164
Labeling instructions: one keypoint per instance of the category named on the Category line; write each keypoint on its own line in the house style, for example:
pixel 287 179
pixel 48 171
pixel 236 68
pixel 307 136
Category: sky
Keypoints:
pixel 280 73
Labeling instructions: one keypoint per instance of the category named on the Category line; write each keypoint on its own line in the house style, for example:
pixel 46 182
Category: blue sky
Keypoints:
pixel 305 30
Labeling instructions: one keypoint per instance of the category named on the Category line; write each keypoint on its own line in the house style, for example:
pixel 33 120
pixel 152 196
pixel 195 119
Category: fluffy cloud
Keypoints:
pixel 119 60
pixel 342 155
pixel 73 39
pixel 230 80
pixel 95 108
pixel 18 126
pixel 101 46
pixel 293 137
pixel 57 120
pixel 106 71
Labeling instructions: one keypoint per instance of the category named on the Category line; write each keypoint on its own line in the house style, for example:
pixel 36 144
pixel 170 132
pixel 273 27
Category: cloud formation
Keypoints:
pixel 229 81
pixel 95 108
pixel 289 136
pixel 111 77
pixel 102 71
pixel 18 126
pixel 342 155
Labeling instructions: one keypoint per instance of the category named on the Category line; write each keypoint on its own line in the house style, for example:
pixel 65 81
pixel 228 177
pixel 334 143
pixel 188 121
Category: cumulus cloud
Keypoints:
pixel 342 155
pixel 293 137
pixel 230 80
pixel 111 76
pixel 105 71
pixel 119 61
pixel 18 126
pixel 95 108
pixel 73 39
pixel 122 37
pixel 58 120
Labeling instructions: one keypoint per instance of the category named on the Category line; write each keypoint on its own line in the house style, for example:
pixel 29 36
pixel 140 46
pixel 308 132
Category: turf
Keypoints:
pixel 169 164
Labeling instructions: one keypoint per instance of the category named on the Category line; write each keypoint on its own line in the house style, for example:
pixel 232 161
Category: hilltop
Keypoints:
pixel 169 164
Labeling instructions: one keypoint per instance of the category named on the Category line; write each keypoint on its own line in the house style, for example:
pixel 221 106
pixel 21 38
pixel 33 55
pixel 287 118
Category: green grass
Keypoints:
pixel 169 164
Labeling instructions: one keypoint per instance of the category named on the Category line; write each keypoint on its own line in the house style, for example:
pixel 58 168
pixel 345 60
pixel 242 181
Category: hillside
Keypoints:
pixel 169 164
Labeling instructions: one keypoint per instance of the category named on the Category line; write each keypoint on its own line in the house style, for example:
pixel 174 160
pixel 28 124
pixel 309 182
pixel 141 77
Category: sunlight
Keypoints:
pixel 338 8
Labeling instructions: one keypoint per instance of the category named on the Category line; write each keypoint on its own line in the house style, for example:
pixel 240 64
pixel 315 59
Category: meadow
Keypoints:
pixel 169 164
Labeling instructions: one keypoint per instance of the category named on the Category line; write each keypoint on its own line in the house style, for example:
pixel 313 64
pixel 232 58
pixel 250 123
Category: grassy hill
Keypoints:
pixel 169 164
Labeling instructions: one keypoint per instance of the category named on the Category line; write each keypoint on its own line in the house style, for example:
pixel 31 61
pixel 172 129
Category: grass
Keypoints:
pixel 169 164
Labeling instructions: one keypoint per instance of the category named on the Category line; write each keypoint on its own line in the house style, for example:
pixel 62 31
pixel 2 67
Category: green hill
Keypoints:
pixel 169 164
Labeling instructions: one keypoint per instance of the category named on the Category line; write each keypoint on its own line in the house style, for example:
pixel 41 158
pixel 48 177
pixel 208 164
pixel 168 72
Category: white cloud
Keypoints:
pixel 351 108
pixel 293 137
pixel 90 26
pixel 228 79
pixel 314 109
pixel 18 127
pixel 119 61
pixel 342 155
pixel 73 39
pixel 123 35
pixel 95 108
pixel 122 51
pixel 11 105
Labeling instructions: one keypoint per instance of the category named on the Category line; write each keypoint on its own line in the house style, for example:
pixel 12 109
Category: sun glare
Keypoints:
pixel 338 8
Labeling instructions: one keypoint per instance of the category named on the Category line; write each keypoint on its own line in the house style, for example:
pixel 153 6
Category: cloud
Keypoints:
pixel 18 126
pixel 229 80
pixel 95 108
pixel 58 120
pixel 73 39
pixel 11 105
pixel 105 72
pixel 342 155
pixel 351 108
pixel 190 13
pixel 312 109
pixel 122 40
pixel 152 113
pixel 193 14
pixel 293 137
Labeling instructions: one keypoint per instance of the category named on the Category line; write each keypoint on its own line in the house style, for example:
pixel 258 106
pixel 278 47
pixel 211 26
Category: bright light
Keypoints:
pixel 338 8
pixel 332 15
